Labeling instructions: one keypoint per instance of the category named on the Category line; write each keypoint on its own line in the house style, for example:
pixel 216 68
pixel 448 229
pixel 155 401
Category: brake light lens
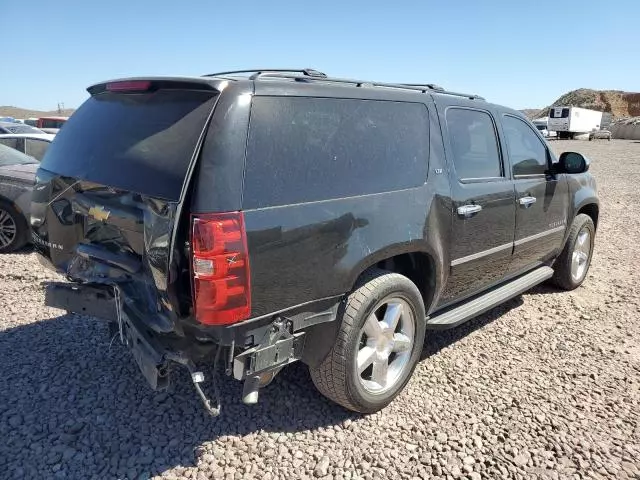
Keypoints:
pixel 220 268
pixel 129 86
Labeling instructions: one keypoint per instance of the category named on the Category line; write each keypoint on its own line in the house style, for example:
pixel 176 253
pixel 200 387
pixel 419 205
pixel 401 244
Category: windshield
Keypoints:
pixel 556 112
pixel 9 156
pixel 137 142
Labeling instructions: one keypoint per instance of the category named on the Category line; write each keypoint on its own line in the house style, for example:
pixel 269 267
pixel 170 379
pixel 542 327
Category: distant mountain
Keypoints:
pixel 17 112
pixel 616 102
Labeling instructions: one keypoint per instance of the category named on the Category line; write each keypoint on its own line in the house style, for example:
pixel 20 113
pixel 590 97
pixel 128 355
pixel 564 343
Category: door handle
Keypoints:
pixel 468 210
pixel 527 201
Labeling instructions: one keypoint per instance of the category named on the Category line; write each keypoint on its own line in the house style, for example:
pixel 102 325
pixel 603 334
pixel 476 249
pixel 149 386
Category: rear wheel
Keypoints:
pixel 571 267
pixel 378 345
pixel 13 228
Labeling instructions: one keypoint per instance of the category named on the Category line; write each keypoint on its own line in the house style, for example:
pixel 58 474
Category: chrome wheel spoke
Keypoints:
pixel 380 371
pixel 392 315
pixel 401 343
pixel 366 356
pixel 384 345
pixel 580 255
pixel 4 240
pixel 372 327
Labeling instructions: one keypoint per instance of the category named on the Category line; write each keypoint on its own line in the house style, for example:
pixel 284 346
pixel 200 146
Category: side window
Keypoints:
pixel 303 149
pixel 527 152
pixel 36 148
pixel 475 146
pixel 9 142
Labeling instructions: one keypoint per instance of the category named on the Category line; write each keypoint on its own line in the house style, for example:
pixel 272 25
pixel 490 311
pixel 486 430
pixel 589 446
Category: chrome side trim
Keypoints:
pixel 540 235
pixel 529 175
pixel 481 254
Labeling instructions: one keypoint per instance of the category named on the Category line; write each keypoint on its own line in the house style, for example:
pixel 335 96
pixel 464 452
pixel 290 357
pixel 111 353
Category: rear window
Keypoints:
pixel 305 149
pixel 52 123
pixel 137 142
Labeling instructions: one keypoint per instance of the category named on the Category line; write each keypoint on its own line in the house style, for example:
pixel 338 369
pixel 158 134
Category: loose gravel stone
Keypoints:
pixel 546 386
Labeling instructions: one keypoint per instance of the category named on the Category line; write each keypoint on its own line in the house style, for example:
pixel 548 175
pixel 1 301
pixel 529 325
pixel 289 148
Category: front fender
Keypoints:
pixel 583 191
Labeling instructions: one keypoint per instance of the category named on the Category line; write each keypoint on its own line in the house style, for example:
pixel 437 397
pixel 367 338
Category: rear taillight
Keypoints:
pixel 220 268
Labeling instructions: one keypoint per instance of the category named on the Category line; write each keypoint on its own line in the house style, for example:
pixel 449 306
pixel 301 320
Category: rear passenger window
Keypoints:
pixel 9 142
pixel 475 145
pixel 305 149
pixel 527 152
pixel 36 148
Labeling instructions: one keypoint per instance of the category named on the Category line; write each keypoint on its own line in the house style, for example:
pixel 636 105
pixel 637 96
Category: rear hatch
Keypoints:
pixel 107 200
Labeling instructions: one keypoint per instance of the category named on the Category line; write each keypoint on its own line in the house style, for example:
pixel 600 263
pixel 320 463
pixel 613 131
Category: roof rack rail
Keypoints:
pixel 309 72
pixel 430 86
pixel 366 83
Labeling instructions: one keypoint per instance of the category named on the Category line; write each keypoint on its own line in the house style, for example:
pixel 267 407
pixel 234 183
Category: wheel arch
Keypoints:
pixel 412 261
pixel 592 210
pixel 406 260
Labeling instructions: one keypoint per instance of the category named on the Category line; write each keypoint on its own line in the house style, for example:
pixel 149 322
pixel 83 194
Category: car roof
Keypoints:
pixel 52 118
pixel 311 82
pixel 38 136
pixel 298 80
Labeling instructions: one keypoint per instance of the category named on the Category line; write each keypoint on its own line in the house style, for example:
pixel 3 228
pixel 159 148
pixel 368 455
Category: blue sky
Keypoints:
pixel 520 53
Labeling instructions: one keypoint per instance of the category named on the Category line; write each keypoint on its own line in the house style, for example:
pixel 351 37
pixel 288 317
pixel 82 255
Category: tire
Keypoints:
pixel 566 274
pixel 364 330
pixel 14 230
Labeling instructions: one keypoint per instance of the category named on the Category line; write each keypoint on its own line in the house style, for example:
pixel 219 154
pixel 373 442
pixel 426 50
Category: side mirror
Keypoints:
pixel 573 162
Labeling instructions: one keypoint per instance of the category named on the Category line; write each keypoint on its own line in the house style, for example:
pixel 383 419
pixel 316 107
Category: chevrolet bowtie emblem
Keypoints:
pixel 99 213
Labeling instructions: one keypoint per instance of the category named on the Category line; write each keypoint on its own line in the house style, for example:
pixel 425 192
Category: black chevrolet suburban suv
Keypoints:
pixel 257 218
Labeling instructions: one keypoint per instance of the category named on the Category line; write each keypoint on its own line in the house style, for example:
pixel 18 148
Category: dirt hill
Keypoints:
pixel 16 112
pixel 618 103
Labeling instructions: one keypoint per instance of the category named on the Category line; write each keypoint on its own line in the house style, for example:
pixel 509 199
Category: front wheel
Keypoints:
pixel 571 267
pixel 378 345
pixel 14 231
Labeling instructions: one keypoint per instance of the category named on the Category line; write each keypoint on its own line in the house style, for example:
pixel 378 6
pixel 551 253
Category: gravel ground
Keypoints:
pixel 545 386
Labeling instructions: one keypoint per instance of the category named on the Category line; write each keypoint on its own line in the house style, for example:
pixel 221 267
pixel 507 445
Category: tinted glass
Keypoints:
pixel 555 112
pixel 9 142
pixel 527 152
pixel 36 148
pixel 52 123
pixel 306 149
pixel 137 142
pixel 474 142
pixel 9 156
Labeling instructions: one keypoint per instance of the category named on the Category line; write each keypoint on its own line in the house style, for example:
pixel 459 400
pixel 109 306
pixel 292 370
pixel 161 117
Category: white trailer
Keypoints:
pixel 572 121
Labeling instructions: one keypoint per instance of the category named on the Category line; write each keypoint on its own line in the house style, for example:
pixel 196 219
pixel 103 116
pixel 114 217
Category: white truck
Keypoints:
pixel 572 121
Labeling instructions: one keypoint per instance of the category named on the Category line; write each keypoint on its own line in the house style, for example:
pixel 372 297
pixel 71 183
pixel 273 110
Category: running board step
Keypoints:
pixel 454 317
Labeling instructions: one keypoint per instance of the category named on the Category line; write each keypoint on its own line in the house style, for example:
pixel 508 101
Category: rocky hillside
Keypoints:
pixel 15 112
pixel 620 104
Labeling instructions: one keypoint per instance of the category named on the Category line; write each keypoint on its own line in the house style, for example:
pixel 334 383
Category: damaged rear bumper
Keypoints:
pixel 256 365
